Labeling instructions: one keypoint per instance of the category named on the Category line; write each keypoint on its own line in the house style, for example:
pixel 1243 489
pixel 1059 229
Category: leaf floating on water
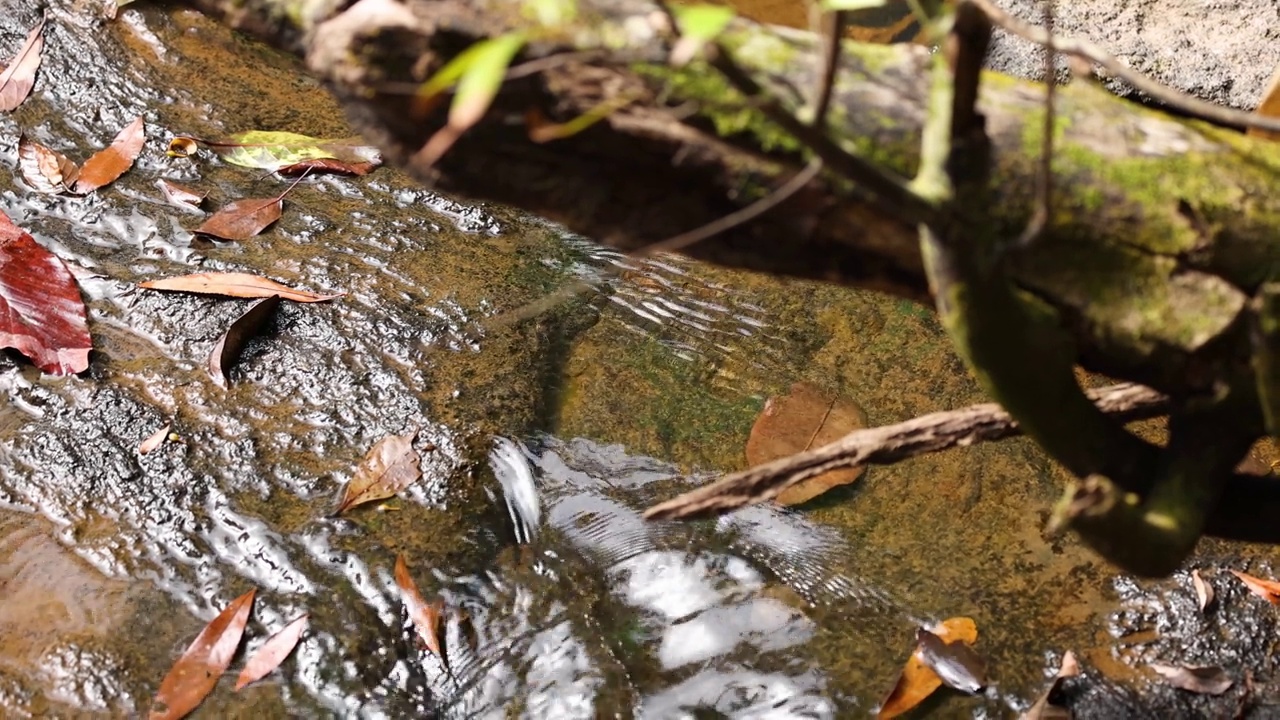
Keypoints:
pixel 108 164
pixel 154 441
pixel 390 466
pixel 196 673
pixel 243 219
pixel 45 170
pixel 955 663
pixel 17 80
pixel 427 617
pixel 241 285
pixel 1268 590
pixel 917 681
pixel 271 150
pixel 1046 707
pixel 805 418
pixel 1202 679
pixel 41 313
pixel 1204 591
pixel 231 344
pixel 272 653
pixel 180 195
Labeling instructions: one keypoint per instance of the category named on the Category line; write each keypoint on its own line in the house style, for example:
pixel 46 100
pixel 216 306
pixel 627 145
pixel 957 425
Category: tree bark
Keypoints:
pixel 1162 229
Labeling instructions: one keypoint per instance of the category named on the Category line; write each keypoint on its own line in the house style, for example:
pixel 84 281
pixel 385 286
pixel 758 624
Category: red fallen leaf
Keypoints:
pixel 390 466
pixel 320 165
pixel 41 313
pixel 108 164
pixel 427 617
pixel 272 653
pixel 242 285
pixel 17 80
pixel 243 219
pixel 955 663
pixel 45 170
pixel 196 673
pixel 227 351
pixel 1268 590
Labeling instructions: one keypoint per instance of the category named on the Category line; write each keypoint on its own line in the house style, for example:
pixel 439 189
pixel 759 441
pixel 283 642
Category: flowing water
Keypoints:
pixel 542 439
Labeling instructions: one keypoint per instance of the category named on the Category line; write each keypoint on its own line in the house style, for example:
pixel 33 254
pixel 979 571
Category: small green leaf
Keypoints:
pixel 834 5
pixel 272 150
pixel 699 25
pixel 478 78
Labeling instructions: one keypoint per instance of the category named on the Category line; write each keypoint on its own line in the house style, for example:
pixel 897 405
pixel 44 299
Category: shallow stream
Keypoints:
pixel 111 562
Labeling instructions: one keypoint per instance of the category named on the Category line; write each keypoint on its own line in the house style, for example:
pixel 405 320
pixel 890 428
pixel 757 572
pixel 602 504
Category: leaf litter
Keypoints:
pixel 244 219
pixel 804 418
pixel 1200 679
pixel 113 161
pixel 918 680
pixel 44 169
pixel 276 150
pixel 154 440
pixel 180 195
pixel 240 285
pixel 248 326
pixel 390 466
pixel 272 653
pixel 427 618
pixel 196 673
pixel 1268 590
pixel 19 77
pixel 42 314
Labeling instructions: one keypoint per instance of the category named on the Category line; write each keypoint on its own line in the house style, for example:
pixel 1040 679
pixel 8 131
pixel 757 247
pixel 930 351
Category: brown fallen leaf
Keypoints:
pixel 1204 591
pixel 154 440
pixel 427 617
pixel 272 653
pixel 241 285
pixel 955 663
pixel 180 195
pixel 108 164
pixel 244 219
pixel 1268 590
pixel 917 681
pixel 1269 107
pixel 390 466
pixel 805 418
pixel 1202 679
pixel 45 170
pixel 196 673
pixel 1045 707
pixel 327 165
pixel 248 326
pixel 17 80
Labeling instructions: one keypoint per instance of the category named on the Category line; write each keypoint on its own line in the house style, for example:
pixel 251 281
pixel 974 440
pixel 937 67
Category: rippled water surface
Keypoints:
pixel 543 436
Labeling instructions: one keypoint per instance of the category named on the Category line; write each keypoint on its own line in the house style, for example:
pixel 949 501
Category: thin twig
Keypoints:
pixel 736 218
pixel 888 186
pixel 886 445
pixel 1162 93
pixel 833 27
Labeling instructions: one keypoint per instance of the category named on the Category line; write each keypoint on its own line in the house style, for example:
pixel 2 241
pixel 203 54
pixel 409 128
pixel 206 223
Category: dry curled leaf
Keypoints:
pixel 1268 590
pixel 1046 707
pixel 917 681
pixel 390 466
pixel 108 164
pixel 196 673
pixel 1204 591
pixel 19 77
pixel 248 326
pixel 45 170
pixel 272 653
pixel 428 618
pixel 154 440
pixel 1202 679
pixel 807 417
pixel 241 285
pixel 327 165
